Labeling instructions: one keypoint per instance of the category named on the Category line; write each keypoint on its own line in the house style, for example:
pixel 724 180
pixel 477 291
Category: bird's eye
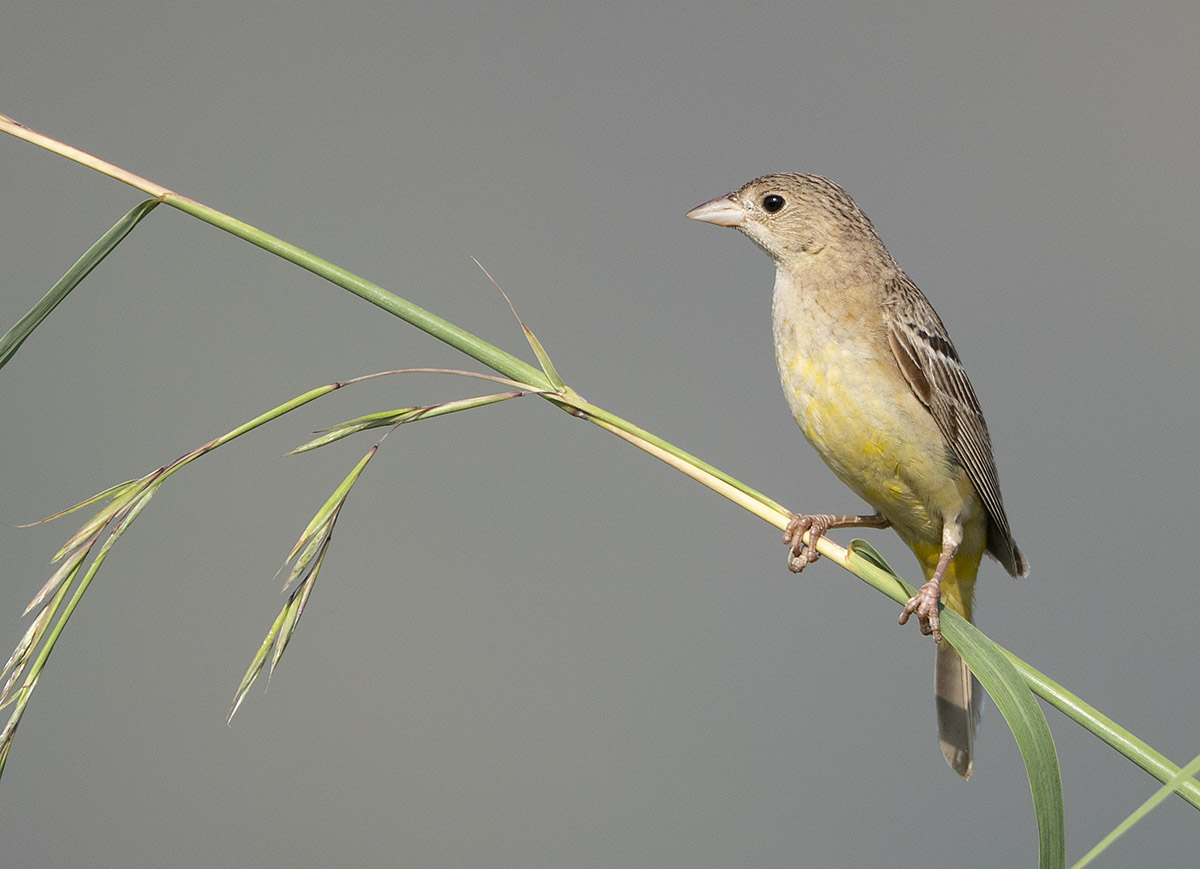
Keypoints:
pixel 772 203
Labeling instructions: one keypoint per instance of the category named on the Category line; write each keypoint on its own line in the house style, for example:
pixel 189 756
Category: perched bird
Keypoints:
pixel 875 384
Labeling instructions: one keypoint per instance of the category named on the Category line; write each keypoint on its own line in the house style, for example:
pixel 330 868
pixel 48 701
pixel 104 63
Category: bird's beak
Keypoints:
pixel 722 211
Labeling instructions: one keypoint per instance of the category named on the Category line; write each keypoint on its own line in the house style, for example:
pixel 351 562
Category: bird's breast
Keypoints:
pixel 850 399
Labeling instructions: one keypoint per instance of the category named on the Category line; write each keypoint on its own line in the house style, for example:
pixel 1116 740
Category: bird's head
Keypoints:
pixel 800 221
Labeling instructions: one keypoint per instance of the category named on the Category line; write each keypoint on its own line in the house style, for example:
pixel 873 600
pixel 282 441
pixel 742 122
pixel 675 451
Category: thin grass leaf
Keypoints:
pixel 118 496
pixel 35 671
pixel 320 529
pixel 354 426
pixel 59 583
pixel 306 557
pixel 127 494
pixel 1016 703
pixel 131 511
pixel 20 657
pixel 289 624
pixel 306 592
pixel 110 493
pixel 1141 811
pixel 543 357
pixel 67 569
pixel 1105 729
pixel 1028 724
pixel 312 534
pixel 126 501
pixel 296 604
pixel 21 652
pixel 400 416
pixel 129 503
pixel 539 351
pixel 1070 705
pixel 258 662
pixel 333 505
pixel 302 562
pixel 321 525
pixel 10 729
pixel 15 337
pixel 362 423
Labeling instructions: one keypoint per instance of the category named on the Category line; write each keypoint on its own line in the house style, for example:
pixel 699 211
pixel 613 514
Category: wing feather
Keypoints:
pixel 936 375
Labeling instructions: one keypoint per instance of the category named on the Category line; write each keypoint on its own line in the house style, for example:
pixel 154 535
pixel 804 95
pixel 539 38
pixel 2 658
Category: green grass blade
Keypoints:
pixel 1107 730
pixel 296 604
pixel 309 555
pixel 1028 724
pixel 111 493
pixel 1016 702
pixel 400 416
pixel 66 570
pixel 1144 809
pixel 15 337
pixel 35 671
pixel 543 358
pixel 20 656
pixel 256 665
pixel 321 524
pixel 539 351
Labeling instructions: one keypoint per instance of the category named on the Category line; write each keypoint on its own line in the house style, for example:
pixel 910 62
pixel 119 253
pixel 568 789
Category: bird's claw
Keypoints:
pixel 801 555
pixel 925 605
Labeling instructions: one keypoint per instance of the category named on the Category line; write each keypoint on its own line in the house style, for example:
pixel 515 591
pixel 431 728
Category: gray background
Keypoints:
pixel 531 645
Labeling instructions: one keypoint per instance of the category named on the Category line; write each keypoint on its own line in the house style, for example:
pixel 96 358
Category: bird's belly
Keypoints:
pixel 878 439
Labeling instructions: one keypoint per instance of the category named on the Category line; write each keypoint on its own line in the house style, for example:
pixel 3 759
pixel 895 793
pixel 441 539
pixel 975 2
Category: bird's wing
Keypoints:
pixel 933 370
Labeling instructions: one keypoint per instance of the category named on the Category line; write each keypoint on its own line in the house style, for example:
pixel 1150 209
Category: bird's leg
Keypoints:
pixel 800 555
pixel 925 602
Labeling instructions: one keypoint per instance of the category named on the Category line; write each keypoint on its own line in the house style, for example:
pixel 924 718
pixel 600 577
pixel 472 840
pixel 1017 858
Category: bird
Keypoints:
pixel 879 390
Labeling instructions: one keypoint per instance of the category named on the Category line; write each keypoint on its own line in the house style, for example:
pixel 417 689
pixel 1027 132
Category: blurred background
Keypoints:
pixel 530 644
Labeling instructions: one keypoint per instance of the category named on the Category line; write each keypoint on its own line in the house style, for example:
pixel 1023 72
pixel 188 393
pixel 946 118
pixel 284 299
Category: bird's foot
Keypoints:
pixel 925 604
pixel 801 555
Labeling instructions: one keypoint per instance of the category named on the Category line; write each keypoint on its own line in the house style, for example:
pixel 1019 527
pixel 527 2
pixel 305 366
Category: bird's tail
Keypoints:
pixel 959 695
pixel 959 703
